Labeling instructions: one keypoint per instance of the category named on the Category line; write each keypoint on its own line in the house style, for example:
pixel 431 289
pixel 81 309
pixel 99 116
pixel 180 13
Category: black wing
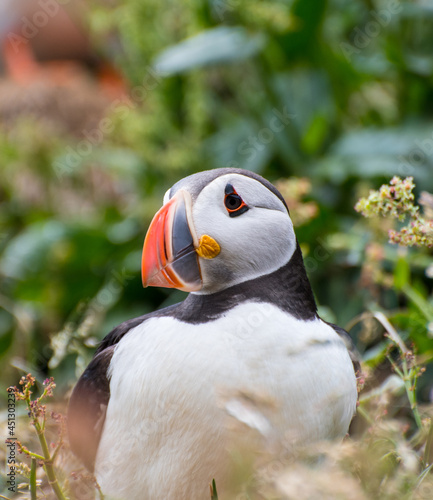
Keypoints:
pixel 353 351
pixel 89 400
pixel 90 397
pixel 87 407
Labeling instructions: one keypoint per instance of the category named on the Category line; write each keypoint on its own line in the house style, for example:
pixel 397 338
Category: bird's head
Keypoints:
pixel 216 229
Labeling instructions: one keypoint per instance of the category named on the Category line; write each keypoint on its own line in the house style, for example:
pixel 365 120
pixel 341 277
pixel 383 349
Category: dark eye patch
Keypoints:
pixel 234 204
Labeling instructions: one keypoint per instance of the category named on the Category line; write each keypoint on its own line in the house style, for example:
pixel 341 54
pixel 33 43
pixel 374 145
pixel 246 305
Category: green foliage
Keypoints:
pixel 334 92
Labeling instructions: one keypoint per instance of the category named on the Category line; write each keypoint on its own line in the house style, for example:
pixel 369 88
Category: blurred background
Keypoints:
pixel 105 104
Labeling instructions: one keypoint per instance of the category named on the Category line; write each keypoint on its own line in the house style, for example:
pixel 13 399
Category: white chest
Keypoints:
pixel 174 386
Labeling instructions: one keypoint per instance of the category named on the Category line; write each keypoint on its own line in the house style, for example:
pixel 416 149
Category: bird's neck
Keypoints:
pixel 287 288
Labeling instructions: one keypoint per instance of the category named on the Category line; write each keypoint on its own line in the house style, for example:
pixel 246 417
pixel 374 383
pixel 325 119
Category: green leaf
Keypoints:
pixel 213 491
pixel 401 273
pixel 315 134
pixel 6 341
pixel 419 301
pixel 374 356
pixel 29 251
pixel 214 46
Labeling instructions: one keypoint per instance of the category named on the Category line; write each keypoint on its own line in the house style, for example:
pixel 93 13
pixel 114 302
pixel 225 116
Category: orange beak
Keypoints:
pixel 169 253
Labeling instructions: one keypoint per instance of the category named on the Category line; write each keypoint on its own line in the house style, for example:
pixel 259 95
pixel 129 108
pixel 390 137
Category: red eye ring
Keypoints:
pixel 234 204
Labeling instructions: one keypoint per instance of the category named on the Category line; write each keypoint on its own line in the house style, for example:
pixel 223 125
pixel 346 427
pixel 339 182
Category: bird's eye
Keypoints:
pixel 233 201
pixel 234 204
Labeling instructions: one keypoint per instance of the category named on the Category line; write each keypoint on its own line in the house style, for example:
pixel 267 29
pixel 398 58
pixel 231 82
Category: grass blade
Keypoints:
pixel 213 491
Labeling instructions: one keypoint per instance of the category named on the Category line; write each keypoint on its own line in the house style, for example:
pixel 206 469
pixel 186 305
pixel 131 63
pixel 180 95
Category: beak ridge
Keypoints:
pixel 169 257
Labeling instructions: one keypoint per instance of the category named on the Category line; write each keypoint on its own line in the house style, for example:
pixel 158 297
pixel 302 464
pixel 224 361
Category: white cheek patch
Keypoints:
pixel 257 195
pixel 254 243
pixel 261 243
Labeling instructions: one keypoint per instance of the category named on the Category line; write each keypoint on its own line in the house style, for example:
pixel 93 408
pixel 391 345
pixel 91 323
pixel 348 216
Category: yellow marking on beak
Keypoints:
pixel 208 248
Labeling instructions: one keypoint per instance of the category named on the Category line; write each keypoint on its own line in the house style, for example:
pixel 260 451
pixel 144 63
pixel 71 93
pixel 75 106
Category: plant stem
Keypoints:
pixel 408 375
pixel 360 410
pixel 48 461
pixel 420 302
pixel 48 466
pixel 423 475
pixel 428 453
pixel 31 453
pixel 409 380
pixel 391 331
pixel 33 495
pixel 101 495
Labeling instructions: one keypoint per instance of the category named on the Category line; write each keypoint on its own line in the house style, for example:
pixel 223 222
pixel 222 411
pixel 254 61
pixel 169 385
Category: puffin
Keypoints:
pixel 151 414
